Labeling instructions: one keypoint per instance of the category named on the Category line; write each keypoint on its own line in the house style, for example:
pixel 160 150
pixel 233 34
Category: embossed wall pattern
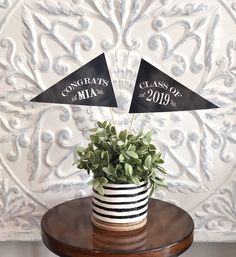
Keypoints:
pixel 43 41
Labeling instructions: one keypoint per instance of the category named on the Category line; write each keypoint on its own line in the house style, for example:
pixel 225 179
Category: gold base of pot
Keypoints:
pixel 118 226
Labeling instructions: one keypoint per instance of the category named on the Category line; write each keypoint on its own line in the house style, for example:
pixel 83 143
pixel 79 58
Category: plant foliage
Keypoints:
pixel 120 157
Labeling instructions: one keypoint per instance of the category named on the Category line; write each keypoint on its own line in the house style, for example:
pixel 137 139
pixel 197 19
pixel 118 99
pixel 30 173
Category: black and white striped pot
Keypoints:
pixel 123 207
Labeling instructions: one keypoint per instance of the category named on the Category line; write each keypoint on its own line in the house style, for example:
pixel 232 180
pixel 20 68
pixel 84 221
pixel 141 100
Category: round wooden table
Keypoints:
pixel 68 232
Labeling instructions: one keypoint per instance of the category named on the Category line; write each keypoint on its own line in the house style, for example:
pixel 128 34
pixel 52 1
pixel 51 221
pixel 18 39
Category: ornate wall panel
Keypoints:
pixel 43 41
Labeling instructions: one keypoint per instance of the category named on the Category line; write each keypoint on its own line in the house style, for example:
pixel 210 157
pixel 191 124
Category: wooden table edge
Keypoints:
pixel 60 248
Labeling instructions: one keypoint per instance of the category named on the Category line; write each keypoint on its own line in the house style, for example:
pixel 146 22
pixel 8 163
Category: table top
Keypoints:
pixel 67 231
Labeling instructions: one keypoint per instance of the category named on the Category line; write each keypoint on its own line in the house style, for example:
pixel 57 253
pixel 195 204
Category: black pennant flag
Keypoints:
pixel 155 91
pixel 89 85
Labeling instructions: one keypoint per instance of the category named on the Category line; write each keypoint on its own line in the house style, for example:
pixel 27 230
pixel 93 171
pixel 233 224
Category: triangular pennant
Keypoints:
pixel 89 85
pixel 155 91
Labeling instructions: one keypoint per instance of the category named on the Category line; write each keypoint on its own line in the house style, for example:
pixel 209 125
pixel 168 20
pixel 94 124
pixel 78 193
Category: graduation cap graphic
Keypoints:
pixel 155 91
pixel 89 85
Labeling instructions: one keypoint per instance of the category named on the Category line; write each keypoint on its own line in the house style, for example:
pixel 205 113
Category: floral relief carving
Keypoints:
pixel 219 211
pixel 230 7
pixel 18 206
pixel 73 19
pixel 14 209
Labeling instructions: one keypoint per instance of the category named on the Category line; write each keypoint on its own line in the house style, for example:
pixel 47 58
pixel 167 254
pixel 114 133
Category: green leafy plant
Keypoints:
pixel 120 157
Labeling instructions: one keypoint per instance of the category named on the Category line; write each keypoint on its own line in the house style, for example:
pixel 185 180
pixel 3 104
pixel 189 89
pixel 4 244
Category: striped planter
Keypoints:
pixel 123 207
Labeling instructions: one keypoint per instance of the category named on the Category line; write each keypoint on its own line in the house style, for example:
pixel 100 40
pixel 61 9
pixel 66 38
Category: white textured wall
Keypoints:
pixel 43 41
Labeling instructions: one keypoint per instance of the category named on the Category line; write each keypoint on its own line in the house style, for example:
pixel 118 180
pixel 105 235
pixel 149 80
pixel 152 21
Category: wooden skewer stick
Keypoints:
pixel 131 123
pixel 112 116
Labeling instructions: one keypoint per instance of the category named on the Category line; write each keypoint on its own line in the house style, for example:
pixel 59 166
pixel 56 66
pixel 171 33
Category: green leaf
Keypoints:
pixel 153 189
pixel 121 158
pixel 123 135
pixel 136 161
pixel 100 189
pixel 90 147
pixel 149 134
pixel 150 173
pixel 113 130
pixel 161 169
pixel 97 155
pixel 93 130
pixel 154 179
pixel 76 163
pixel 107 158
pixel 94 182
pixel 139 134
pixel 131 138
pixel 152 147
pixel 108 129
pixel 125 154
pixel 80 149
pixel 148 161
pixel 101 131
pixel 116 168
pixel 88 154
pixel 123 178
pixel 94 138
pixel 149 139
pixel 104 124
pixel 160 161
pixel 155 158
pixel 159 179
pixel 145 142
pixel 114 146
pixel 103 181
pixel 135 180
pixel 94 166
pixel 132 148
pixel 100 125
pixel 142 150
pixel 107 170
pixel 128 169
pixel 120 143
pixel 132 154
pixel 92 157
pixel 158 182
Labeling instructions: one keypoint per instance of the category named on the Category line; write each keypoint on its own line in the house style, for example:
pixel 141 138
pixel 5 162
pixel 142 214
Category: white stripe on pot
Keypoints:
pixel 118 201
pixel 120 205
pixel 117 191
pixel 118 214
pixel 121 198
pixel 121 221
pixel 118 186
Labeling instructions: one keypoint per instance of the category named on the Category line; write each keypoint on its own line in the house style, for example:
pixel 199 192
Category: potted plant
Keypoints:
pixel 125 171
